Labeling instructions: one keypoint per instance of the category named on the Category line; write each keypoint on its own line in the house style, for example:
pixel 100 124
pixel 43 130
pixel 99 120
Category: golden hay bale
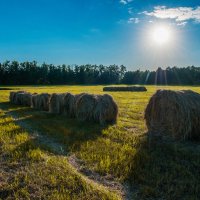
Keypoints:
pixel 34 100
pixel 56 103
pixel 175 113
pixel 85 106
pixel 40 101
pixel 13 96
pixel 69 102
pixel 43 101
pixel 18 98
pixel 126 89
pixel 106 110
pixel 26 99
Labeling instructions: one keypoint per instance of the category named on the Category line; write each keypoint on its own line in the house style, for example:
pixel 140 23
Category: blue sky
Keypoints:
pixel 100 32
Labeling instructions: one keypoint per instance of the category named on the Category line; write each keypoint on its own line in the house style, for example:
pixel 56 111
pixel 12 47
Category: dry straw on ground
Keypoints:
pixel 125 89
pixel 175 113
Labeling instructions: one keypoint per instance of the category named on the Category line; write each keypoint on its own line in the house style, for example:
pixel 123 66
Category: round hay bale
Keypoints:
pixel 26 99
pixel 34 100
pixel 18 98
pixel 69 101
pixel 68 105
pixel 174 113
pixel 43 101
pixel 56 103
pixel 13 97
pixel 40 101
pixel 106 110
pixel 85 106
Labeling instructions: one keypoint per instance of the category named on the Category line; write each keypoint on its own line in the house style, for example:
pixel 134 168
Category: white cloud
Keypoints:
pixel 181 23
pixel 180 14
pixel 133 20
pixel 125 1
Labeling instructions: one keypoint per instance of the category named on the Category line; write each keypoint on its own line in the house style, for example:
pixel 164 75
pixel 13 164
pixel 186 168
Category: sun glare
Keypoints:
pixel 161 35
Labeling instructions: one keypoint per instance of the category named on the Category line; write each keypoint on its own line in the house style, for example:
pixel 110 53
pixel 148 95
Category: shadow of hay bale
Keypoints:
pixel 166 170
pixel 67 131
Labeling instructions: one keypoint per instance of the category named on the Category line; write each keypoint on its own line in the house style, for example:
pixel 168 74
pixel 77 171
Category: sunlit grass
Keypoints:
pixel 29 172
pixel 168 170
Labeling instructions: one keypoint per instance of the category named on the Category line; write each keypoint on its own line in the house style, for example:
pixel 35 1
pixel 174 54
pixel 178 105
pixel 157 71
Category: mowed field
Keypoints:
pixel 46 156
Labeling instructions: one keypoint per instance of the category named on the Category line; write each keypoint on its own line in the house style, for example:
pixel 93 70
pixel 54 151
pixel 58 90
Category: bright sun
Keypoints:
pixel 161 35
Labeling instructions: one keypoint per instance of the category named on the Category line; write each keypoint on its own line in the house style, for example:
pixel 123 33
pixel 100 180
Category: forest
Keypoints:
pixel 32 73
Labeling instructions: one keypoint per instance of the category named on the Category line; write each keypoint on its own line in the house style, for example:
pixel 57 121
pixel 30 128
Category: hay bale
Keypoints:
pixel 40 101
pixel 85 106
pixel 18 97
pixel 13 97
pixel 106 110
pixel 125 89
pixel 26 99
pixel 56 103
pixel 174 113
pixel 69 104
pixel 43 102
pixel 34 100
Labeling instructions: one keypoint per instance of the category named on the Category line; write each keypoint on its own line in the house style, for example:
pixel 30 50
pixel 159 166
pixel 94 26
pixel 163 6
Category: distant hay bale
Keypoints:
pixel 106 110
pixel 40 101
pixel 69 105
pixel 34 100
pixel 11 97
pixel 174 113
pixel 43 101
pixel 18 97
pixel 56 103
pixel 26 99
pixel 14 98
pixel 125 89
pixel 85 106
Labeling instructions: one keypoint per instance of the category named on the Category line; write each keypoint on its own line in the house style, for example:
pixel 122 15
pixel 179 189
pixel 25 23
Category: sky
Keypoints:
pixel 101 32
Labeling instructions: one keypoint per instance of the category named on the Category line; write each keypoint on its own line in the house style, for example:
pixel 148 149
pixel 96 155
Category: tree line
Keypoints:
pixel 31 73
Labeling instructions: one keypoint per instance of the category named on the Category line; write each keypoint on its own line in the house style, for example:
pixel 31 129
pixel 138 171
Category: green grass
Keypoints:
pixel 169 170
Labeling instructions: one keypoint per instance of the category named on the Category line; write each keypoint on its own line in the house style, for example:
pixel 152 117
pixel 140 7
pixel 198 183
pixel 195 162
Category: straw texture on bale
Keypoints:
pixel 125 89
pixel 34 101
pixel 69 105
pixel 11 97
pixel 56 103
pixel 106 110
pixel 40 101
pixel 14 98
pixel 26 101
pixel 175 113
pixel 43 101
pixel 85 106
